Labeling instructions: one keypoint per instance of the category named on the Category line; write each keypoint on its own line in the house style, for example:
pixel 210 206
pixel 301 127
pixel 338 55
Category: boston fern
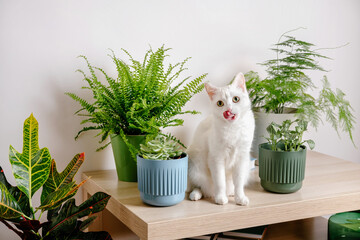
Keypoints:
pixel 143 98
pixel 287 85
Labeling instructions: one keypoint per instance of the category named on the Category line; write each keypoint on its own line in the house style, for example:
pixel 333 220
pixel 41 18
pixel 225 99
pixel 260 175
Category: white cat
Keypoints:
pixel 219 156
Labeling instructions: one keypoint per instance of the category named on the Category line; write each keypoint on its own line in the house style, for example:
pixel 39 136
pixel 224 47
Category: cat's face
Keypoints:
pixel 230 102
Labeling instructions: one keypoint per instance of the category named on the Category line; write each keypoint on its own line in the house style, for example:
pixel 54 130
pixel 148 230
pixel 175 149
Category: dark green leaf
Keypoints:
pixel 65 221
pixel 9 208
pixel 85 224
pixel 19 196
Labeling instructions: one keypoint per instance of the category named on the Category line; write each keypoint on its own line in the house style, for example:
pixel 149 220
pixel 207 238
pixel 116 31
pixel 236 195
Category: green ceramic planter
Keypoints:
pixel 281 172
pixel 344 226
pixel 125 165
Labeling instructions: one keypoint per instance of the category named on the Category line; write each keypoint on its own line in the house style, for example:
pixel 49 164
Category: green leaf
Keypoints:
pixel 353 224
pixel 311 144
pixel 19 196
pixel 86 223
pixel 31 168
pixel 29 229
pixel 66 220
pixel 9 208
pixel 271 129
pixel 56 180
pixel 55 199
pixel 29 225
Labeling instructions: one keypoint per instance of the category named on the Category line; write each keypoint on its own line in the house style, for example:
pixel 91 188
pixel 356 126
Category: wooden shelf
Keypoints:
pixel 304 229
pixel 331 185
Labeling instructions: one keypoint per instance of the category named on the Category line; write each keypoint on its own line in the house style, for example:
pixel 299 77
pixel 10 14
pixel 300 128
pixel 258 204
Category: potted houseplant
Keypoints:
pixel 284 93
pixel 282 159
pixel 34 169
pixel 345 225
pixel 162 172
pixel 135 104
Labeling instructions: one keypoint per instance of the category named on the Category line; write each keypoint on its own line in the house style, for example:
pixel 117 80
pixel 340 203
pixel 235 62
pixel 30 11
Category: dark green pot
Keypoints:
pixel 281 172
pixel 344 226
pixel 125 164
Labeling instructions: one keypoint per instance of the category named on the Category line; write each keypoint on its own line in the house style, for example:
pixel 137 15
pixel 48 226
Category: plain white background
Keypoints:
pixel 40 42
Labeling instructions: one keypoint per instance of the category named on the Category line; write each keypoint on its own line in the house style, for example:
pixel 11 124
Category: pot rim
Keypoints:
pixel 303 148
pixel 289 110
pixel 183 154
pixel 112 135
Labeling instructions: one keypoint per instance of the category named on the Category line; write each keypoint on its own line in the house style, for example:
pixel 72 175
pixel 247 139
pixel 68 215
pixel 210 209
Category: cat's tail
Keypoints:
pixel 196 194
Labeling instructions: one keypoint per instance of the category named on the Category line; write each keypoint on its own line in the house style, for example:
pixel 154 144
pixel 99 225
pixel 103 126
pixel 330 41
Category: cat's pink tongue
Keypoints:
pixel 228 115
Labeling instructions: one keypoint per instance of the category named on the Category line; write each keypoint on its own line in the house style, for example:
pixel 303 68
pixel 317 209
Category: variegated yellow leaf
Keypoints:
pixel 54 199
pixel 30 168
pixel 56 181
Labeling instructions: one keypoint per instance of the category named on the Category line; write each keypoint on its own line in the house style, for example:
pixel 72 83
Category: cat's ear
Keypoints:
pixel 239 81
pixel 210 89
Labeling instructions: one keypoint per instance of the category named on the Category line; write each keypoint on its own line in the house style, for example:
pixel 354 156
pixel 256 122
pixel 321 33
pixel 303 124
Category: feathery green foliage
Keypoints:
pixel 287 85
pixel 160 148
pixel 142 99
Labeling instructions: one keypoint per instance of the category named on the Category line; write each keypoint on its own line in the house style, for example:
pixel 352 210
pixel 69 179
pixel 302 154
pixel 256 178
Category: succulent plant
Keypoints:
pixel 160 148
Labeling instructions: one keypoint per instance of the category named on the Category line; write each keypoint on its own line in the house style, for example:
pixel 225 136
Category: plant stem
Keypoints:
pixel 277 47
pixel 344 45
pixel 31 209
pixel 41 214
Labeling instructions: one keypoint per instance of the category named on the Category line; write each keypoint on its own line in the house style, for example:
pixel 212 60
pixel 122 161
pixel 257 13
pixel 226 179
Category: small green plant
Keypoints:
pixel 144 97
pixel 287 85
pixel 160 148
pixel 283 138
pixel 34 169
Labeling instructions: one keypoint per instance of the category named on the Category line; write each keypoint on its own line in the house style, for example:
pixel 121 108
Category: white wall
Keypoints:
pixel 40 40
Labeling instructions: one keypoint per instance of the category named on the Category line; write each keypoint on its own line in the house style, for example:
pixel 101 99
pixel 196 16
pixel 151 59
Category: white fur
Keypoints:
pixel 219 155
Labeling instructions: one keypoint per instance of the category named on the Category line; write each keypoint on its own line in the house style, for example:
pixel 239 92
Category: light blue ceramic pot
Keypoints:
pixel 162 182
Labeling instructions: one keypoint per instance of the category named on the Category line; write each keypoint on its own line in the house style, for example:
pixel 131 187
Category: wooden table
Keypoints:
pixel 331 185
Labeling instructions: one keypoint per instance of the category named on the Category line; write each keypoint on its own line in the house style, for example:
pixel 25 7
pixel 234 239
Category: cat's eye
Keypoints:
pixel 236 99
pixel 220 103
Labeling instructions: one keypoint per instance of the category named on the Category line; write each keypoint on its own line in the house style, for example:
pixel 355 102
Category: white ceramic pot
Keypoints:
pixel 263 120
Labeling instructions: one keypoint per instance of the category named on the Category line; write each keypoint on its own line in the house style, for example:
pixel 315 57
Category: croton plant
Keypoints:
pixel 33 169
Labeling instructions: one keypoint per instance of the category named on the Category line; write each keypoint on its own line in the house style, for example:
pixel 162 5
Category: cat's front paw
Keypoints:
pixel 195 195
pixel 242 200
pixel 221 199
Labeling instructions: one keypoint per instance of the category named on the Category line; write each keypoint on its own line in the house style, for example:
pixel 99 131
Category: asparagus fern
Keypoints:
pixel 287 85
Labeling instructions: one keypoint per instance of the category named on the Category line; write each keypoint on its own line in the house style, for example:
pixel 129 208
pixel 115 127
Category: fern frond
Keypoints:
pixel 87 129
pixel 89 107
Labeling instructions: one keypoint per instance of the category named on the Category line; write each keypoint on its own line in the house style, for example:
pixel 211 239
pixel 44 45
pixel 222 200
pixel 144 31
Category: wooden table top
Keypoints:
pixel 331 185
